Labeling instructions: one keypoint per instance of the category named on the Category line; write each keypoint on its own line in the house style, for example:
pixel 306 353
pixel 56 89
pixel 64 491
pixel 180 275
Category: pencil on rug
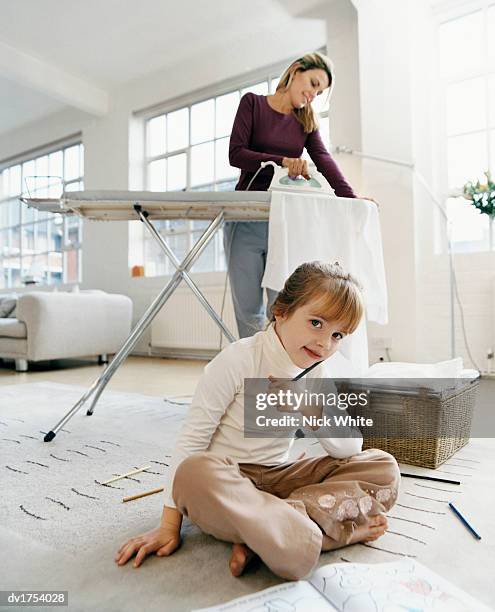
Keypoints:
pixel 144 494
pixel 146 467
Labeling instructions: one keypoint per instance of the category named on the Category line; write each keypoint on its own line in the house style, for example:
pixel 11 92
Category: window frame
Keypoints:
pixel 445 13
pixel 66 224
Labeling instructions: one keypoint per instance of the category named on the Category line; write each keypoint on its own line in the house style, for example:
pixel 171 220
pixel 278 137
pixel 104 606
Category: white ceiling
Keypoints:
pixel 54 54
pixel 20 105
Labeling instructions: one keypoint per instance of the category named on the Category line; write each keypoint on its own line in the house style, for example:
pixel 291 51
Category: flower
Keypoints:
pixel 481 195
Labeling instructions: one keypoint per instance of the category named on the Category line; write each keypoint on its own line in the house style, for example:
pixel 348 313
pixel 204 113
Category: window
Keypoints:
pixel 187 148
pixel 467 68
pixel 34 243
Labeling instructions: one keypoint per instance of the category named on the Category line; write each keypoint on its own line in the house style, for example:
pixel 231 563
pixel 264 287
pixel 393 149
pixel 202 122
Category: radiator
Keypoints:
pixel 183 323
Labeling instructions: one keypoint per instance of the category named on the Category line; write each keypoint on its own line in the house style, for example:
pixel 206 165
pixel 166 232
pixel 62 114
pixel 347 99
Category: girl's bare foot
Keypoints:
pixel 241 556
pixel 376 527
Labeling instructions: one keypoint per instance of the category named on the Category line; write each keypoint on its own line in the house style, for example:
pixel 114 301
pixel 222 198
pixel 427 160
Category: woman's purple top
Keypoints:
pixel 261 133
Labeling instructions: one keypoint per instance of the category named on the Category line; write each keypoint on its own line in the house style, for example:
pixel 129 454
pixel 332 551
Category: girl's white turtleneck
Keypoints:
pixel 215 421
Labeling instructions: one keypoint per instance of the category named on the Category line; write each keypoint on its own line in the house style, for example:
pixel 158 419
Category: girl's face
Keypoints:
pixel 305 86
pixel 307 336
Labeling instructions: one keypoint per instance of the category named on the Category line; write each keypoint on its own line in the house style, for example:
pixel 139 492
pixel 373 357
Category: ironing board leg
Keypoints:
pixel 100 383
pixel 192 285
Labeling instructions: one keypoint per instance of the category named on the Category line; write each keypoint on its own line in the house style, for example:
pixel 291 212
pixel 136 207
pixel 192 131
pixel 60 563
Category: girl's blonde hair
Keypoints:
pixel 310 61
pixel 337 293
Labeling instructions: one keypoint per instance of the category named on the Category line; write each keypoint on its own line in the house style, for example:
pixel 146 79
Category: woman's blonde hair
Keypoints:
pixel 337 294
pixel 310 61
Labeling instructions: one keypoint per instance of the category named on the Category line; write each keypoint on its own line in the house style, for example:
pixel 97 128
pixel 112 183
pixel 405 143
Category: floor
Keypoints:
pixel 147 375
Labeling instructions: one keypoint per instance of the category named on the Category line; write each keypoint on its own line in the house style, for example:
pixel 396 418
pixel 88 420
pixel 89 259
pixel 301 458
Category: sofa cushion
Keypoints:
pixel 7 305
pixel 12 328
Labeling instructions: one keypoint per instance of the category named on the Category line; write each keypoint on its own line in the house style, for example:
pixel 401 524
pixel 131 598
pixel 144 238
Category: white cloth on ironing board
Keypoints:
pixel 308 227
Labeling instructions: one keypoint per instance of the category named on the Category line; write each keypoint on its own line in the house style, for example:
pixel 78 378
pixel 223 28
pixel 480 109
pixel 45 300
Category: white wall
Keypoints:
pixel 386 125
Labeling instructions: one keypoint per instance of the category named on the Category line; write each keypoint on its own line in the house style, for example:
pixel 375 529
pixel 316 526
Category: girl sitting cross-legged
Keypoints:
pixel 245 490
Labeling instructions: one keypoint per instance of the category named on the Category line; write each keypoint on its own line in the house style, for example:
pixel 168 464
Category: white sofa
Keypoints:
pixel 62 325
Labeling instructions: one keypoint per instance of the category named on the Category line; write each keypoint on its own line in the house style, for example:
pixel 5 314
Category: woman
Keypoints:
pixel 274 128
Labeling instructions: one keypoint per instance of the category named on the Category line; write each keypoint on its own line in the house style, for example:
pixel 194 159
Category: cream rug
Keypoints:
pixel 61 527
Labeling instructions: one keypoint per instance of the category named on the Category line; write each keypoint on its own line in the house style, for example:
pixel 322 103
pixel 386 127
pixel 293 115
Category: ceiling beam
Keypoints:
pixel 52 81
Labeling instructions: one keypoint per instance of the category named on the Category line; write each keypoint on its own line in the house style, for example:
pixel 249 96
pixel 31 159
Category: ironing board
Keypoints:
pixel 147 206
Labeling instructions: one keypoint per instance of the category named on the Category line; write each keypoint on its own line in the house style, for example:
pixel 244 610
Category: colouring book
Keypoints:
pixel 402 586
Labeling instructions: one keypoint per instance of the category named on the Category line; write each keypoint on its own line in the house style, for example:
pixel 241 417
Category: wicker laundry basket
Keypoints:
pixel 422 428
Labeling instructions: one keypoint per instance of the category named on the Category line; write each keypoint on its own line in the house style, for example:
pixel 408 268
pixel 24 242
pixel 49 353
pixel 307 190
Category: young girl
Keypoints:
pixel 244 490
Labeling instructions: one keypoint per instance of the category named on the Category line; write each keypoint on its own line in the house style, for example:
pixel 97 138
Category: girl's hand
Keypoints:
pixel 280 384
pixel 299 386
pixel 162 540
pixel 296 166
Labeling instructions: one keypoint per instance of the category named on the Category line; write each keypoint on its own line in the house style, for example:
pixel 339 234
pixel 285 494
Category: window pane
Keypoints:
pixel 228 185
pixel 202 121
pixel 466 106
pixel 223 170
pixel 179 243
pixel 81 160
pixel 202 164
pixel 28 239
pixel 157 136
pixel 320 103
pixel 467 159
pixel 15 187
pixel 15 240
pixel 41 164
pixel 155 261
pixel 73 229
pixel 4 183
pixel 258 88
pixel 15 212
pixel 56 234
pixel 325 131
pixel 71 260
pixel 4 214
pixel 12 271
pixel 177 172
pixel 469 227
pixel 75 186
pixel 29 214
pixel 55 267
pixel 35 265
pixel 71 163
pixel 226 108
pixel 41 236
pixel 492 153
pixel 28 180
pixel 490 28
pixel 157 177
pixel 178 129
pixel 56 172
pixel 206 263
pixel 56 166
pixel 175 225
pixel 491 101
pixel 4 242
pixel 461 44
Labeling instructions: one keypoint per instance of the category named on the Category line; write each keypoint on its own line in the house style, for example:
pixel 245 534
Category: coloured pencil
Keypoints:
pixel 464 521
pixel 144 494
pixel 304 372
pixel 456 482
pixel 146 467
